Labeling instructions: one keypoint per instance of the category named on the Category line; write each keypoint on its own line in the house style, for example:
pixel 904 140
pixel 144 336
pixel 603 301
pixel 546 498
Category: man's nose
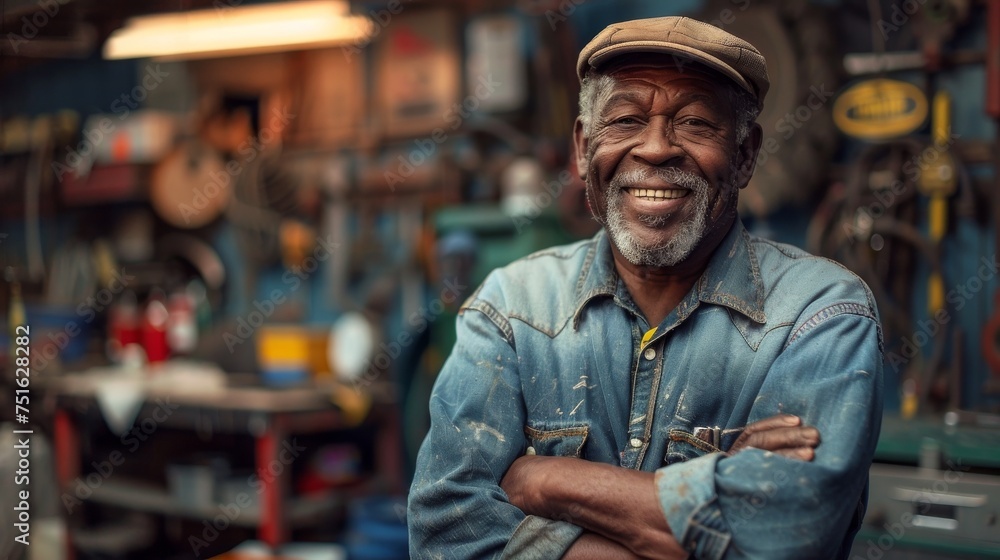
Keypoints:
pixel 658 143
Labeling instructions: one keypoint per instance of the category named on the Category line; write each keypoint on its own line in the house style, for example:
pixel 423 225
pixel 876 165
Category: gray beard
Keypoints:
pixel 680 245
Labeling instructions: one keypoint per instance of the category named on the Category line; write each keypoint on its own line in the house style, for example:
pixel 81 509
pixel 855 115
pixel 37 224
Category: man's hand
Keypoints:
pixel 783 434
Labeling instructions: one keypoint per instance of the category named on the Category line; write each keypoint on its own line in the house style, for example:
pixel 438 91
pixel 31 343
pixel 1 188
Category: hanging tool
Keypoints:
pixel 37 181
pixel 938 182
pixel 873 226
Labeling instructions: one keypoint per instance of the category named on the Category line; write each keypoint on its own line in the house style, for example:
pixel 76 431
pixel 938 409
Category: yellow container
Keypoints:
pixel 283 347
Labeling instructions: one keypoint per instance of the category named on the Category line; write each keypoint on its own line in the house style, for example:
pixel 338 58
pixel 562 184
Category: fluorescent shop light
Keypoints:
pixel 227 31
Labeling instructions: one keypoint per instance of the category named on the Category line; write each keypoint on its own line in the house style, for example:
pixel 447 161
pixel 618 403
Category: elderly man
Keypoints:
pixel 657 391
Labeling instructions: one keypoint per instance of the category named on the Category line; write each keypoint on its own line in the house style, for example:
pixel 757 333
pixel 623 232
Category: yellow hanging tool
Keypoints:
pixel 938 180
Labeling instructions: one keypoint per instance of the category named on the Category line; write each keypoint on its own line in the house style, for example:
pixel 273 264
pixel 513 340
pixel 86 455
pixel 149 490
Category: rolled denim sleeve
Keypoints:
pixel 757 504
pixel 456 506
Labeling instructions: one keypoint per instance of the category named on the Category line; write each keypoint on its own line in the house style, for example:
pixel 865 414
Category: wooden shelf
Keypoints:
pixel 149 498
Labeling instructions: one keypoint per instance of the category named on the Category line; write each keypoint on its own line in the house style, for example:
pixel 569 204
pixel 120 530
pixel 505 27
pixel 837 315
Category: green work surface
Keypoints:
pixel 868 545
pixel 973 446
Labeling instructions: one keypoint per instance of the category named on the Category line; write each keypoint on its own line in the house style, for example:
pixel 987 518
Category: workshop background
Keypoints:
pixel 234 236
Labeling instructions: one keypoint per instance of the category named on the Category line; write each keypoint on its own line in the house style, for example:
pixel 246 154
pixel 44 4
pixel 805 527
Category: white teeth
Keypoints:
pixel 662 194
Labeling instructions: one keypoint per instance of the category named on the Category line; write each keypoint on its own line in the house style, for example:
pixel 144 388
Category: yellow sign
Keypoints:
pixel 880 109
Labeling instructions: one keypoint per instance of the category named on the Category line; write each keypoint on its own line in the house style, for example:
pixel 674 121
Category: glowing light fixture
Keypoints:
pixel 228 31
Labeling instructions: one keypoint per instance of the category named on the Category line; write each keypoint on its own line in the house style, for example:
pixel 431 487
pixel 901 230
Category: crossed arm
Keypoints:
pixel 470 498
pixel 619 507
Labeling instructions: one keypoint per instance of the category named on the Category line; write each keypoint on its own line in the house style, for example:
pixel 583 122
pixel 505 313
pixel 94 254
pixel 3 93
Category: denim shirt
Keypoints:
pixel 550 360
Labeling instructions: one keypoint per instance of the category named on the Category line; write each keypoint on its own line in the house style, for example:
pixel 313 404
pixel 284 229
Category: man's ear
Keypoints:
pixel 748 151
pixel 580 145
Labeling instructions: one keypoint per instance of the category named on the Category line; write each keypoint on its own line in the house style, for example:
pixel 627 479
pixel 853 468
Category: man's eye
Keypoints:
pixel 627 121
pixel 694 121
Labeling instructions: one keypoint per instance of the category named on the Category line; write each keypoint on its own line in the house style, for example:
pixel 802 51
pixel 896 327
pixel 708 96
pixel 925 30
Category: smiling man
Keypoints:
pixel 673 387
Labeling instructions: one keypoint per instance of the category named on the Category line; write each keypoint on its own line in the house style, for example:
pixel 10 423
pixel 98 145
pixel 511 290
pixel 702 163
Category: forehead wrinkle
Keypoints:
pixel 690 96
pixel 681 95
pixel 627 95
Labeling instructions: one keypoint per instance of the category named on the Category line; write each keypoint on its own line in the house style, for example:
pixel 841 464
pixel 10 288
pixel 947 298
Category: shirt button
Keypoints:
pixel 649 354
pixel 635 442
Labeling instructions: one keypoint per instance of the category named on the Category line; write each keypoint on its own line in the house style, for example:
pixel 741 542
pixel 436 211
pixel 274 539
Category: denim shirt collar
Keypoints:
pixel 731 279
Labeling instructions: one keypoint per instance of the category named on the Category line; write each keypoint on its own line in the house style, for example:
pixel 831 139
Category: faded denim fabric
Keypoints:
pixel 549 360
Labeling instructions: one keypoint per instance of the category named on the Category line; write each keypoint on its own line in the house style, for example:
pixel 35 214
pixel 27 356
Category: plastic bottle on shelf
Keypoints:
pixel 154 328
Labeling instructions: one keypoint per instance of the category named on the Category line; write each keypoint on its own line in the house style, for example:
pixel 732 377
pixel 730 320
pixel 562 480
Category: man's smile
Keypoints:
pixel 661 201
pixel 657 194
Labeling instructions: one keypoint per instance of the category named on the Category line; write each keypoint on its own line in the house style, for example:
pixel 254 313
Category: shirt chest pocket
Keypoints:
pixel 682 446
pixel 562 441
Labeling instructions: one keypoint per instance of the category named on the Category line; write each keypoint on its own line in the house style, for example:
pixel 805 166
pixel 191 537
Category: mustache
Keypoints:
pixel 670 175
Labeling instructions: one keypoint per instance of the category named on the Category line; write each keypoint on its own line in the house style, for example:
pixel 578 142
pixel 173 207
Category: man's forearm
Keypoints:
pixel 591 546
pixel 619 504
pixel 623 505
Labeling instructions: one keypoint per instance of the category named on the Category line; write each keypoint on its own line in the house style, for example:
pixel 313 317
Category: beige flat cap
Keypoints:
pixel 686 37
